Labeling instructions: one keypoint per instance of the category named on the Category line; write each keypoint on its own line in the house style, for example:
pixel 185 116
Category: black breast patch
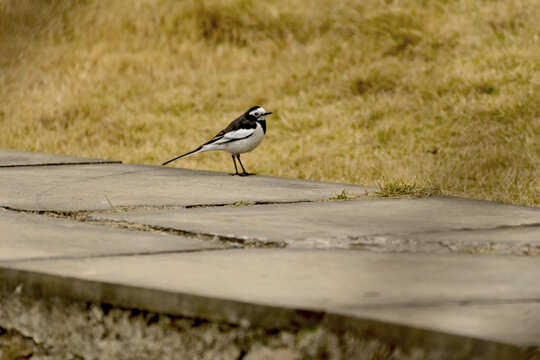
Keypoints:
pixel 263 124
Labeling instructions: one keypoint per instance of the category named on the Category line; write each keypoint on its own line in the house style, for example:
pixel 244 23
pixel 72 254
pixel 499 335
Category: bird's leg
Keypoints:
pixel 235 168
pixel 244 172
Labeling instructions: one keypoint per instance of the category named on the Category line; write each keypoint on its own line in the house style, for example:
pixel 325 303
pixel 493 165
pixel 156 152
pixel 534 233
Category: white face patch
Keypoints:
pixel 257 112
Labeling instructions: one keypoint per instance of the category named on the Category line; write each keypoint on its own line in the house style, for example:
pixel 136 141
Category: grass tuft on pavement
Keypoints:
pixel 398 188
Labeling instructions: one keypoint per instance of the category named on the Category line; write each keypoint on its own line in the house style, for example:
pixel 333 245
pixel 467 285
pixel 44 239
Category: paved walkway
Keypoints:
pixel 264 251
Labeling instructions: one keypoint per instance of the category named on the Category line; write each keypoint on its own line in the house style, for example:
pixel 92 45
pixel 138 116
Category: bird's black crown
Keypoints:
pixel 252 108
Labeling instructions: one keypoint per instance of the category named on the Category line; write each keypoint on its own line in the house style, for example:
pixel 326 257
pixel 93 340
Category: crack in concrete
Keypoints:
pixel 395 244
pixel 64 163
pixel 135 208
pixel 84 216
pixel 399 243
pixel 384 242
pixel 242 242
pixel 499 227
pixel 126 254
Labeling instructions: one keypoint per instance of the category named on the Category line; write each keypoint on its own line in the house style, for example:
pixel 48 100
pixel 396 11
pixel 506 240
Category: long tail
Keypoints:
pixel 186 154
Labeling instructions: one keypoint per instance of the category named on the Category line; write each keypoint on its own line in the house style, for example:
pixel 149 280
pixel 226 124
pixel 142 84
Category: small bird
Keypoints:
pixel 240 136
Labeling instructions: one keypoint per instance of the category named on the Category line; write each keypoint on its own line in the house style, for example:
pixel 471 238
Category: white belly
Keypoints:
pixel 242 146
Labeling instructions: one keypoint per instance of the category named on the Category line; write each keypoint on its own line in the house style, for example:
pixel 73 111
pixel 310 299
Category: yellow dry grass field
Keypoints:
pixel 437 94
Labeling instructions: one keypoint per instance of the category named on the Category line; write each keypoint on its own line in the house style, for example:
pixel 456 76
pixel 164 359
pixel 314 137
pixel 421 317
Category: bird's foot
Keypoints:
pixel 245 173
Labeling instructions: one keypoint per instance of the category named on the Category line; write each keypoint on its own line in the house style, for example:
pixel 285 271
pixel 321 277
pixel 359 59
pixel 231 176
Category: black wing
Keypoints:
pixel 240 123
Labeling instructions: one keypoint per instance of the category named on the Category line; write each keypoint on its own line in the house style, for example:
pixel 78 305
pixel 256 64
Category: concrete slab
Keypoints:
pixel 515 240
pixel 12 157
pixel 520 240
pixel 268 286
pixel 30 236
pixel 338 219
pixel 90 187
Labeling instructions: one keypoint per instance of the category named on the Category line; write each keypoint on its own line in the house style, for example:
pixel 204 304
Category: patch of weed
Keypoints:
pixel 399 187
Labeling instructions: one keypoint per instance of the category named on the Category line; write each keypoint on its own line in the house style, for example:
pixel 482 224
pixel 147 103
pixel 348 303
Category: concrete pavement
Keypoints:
pixel 339 220
pixel 27 236
pixel 108 186
pixel 445 275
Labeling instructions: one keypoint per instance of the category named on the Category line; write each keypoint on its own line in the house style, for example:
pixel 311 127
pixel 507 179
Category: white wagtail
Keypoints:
pixel 240 136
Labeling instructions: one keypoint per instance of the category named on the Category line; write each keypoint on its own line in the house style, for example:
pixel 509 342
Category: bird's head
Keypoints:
pixel 256 113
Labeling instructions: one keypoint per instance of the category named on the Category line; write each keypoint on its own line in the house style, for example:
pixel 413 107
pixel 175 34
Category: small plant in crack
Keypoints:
pixel 241 203
pixel 345 195
pixel 110 203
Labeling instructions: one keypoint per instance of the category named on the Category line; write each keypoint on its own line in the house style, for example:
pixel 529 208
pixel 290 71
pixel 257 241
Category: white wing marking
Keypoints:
pixel 235 135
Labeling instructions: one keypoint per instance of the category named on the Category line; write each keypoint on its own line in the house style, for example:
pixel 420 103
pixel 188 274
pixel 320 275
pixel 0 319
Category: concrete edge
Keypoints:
pixel 249 314
pixel 409 337
pixel 159 301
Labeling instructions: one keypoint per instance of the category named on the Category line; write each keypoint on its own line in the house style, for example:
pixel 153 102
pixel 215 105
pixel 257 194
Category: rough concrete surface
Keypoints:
pixel 33 236
pixel 283 222
pixel 108 260
pixel 519 240
pixel 91 187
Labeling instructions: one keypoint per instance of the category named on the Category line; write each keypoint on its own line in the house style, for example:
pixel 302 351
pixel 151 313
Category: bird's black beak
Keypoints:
pixel 268 113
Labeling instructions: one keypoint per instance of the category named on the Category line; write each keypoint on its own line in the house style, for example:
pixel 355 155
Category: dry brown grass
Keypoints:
pixel 443 92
